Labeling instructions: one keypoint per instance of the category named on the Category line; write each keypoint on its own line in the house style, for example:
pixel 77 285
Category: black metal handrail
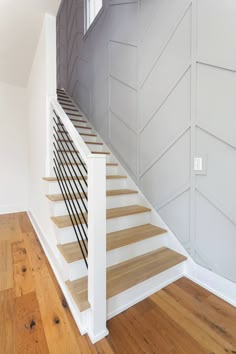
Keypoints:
pixel 72 180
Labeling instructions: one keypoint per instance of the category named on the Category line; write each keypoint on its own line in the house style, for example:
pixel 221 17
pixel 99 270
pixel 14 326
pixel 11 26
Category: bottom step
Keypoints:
pixel 127 274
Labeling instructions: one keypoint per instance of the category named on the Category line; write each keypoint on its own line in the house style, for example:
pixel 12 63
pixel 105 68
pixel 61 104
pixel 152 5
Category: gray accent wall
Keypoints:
pixel 157 78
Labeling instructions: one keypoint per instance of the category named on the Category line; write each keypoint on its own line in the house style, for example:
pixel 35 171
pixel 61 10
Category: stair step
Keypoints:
pixel 93 152
pixel 74 115
pixel 64 220
pixel 109 193
pixel 63 96
pixel 80 127
pixel 73 163
pixel 64 100
pixel 78 120
pixel 66 109
pixel 93 143
pixel 54 179
pixel 75 120
pixel 127 274
pixel 85 134
pixel 101 152
pixel 72 252
pixel 68 105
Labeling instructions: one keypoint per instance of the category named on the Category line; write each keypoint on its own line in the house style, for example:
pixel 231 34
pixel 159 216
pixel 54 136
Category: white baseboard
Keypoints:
pixel 216 284
pixel 11 209
pixel 80 318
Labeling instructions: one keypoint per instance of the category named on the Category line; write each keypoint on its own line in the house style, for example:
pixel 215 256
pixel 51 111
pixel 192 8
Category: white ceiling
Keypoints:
pixel 20 25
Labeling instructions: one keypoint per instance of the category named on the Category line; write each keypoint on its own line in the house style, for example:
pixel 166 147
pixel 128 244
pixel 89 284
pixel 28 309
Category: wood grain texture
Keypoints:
pixel 65 221
pixel 72 252
pixel 109 193
pixel 6 269
pixel 54 179
pixel 7 322
pixel 127 274
pixel 182 318
pixel 30 335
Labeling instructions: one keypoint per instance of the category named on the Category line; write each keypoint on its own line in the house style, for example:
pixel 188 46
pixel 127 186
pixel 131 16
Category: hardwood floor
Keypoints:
pixel 34 316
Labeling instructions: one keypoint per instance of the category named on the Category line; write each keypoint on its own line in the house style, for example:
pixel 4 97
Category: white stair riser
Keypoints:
pixel 53 187
pixel 86 131
pixel 122 200
pixel 66 234
pixel 77 269
pixel 59 208
pixel 90 138
pixel 120 183
pixel 68 146
pixel 74 157
pixel 126 222
pixel 110 170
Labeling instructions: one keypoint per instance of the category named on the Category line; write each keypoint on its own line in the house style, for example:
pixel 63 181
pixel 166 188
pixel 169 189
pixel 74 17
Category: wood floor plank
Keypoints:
pixel 25 223
pixel 7 322
pixel 23 279
pixel 183 318
pixel 30 336
pixel 6 267
pixel 193 289
pixel 196 328
pixel 57 328
pixel 203 313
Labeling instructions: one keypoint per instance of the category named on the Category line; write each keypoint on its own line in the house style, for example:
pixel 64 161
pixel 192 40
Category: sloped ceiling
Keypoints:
pixel 20 25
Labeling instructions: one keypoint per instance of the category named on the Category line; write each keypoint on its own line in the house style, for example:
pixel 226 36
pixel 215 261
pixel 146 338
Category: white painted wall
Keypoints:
pixel 13 149
pixel 41 88
pixel 158 80
pixel 20 25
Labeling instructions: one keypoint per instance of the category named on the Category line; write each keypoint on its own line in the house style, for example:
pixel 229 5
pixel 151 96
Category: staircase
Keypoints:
pixel 142 254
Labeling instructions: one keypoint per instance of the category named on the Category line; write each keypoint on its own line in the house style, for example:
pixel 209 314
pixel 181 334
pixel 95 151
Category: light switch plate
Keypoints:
pixel 197 163
pixel 200 165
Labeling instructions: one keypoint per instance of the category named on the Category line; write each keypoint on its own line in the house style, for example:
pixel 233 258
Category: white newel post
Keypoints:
pixel 97 246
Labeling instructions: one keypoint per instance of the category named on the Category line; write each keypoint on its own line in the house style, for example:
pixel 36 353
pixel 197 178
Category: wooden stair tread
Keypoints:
pixel 78 120
pixel 109 193
pixel 101 152
pixel 116 192
pixel 127 274
pixel 74 114
pixel 85 134
pixel 64 220
pixel 79 164
pixel 80 127
pixel 68 110
pixel 64 100
pixel 93 152
pixel 54 179
pixel 93 143
pixel 59 197
pixel 86 142
pixel 72 252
